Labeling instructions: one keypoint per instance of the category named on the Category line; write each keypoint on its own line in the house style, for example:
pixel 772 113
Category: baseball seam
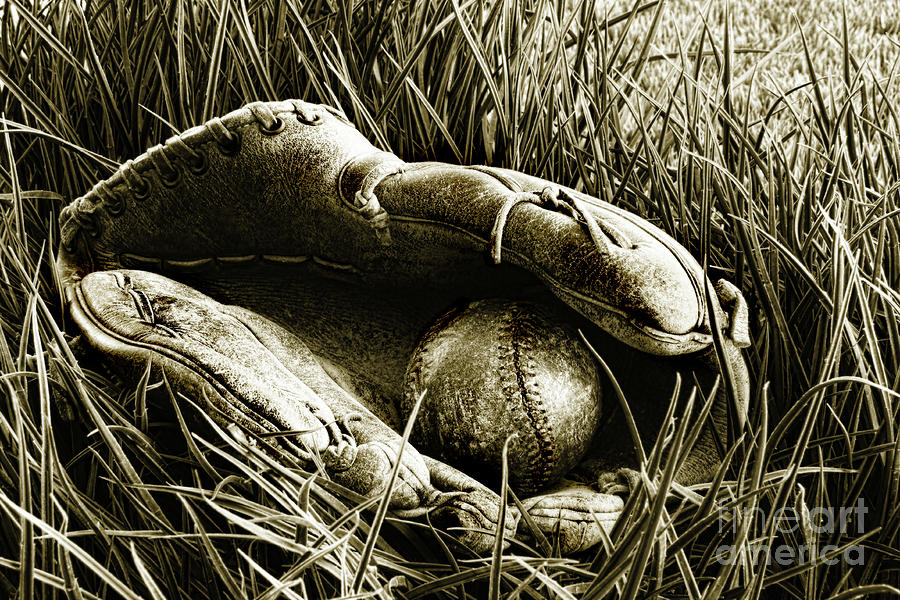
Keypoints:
pixel 516 333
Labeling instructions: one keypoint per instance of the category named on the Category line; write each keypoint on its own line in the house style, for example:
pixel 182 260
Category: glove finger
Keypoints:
pixel 467 509
pixel 133 316
pixel 574 514
pixel 371 471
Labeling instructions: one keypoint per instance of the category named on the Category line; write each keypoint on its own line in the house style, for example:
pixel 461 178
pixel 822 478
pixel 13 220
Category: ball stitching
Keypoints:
pixel 518 330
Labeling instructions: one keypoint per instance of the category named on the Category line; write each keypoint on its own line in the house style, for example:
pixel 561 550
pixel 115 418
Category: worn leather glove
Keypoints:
pixel 285 209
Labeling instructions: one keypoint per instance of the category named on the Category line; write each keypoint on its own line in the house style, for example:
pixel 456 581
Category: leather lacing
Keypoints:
pixel 309 115
pixel 140 189
pixel 169 174
pixel 365 202
pixel 87 221
pixel 229 142
pixel 558 200
pixel 170 160
pixel 269 122
pixel 111 201
pixel 195 161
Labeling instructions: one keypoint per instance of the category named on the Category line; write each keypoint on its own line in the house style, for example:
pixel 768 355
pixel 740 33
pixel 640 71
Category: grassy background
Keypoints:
pixel 766 143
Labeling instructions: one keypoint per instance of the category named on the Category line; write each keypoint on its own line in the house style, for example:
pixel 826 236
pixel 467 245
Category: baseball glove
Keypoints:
pixel 308 266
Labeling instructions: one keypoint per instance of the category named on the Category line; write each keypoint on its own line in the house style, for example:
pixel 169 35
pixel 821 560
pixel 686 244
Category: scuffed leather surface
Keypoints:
pixel 214 349
pixel 281 195
pixel 261 377
pixel 642 291
pixel 186 326
pixel 286 199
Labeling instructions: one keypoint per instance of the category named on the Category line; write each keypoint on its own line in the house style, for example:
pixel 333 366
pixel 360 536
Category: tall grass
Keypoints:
pixel 791 191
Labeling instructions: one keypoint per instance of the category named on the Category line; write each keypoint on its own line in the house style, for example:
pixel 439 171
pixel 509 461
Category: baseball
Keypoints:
pixel 497 368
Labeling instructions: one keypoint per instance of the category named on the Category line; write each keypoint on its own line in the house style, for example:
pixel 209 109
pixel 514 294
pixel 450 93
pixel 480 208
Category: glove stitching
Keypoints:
pixel 109 196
